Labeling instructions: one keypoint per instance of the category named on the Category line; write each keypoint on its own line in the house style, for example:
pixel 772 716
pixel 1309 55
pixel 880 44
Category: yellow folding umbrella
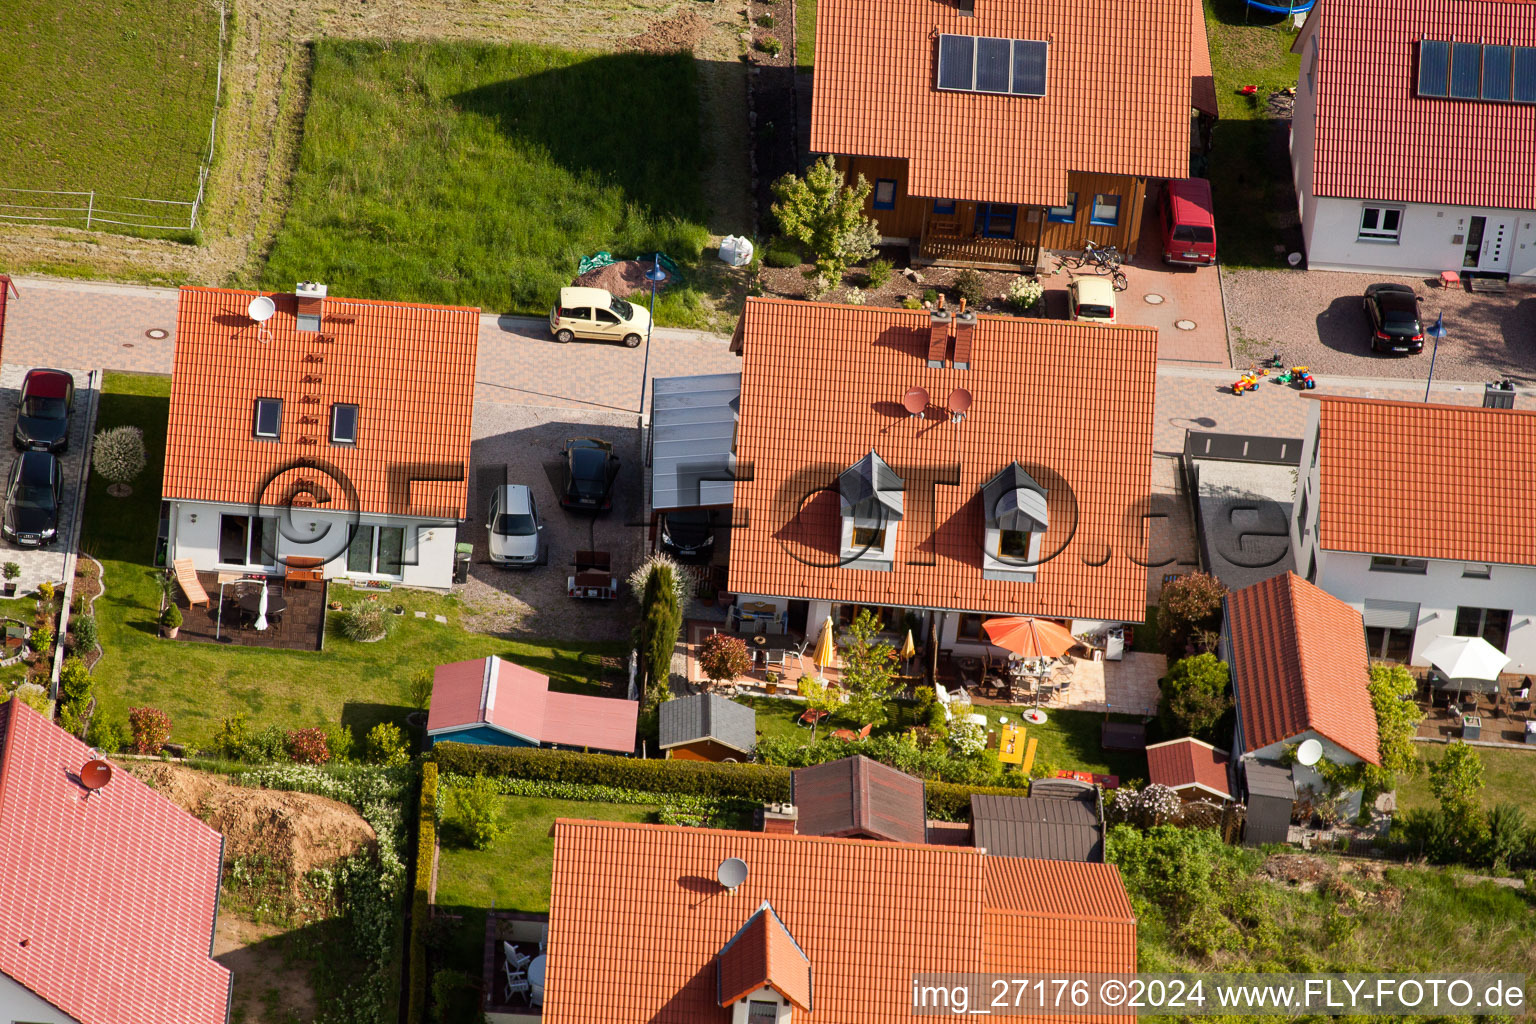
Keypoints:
pixel 908 649
pixel 824 651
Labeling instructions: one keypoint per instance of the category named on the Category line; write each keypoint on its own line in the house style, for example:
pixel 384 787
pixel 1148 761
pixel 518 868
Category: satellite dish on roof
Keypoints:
pixel 261 309
pixel 731 873
pixel 959 402
pixel 1309 753
pixel 915 400
pixel 95 774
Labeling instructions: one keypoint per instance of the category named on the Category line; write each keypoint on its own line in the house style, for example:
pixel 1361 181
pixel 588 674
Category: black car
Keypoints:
pixel 32 497
pixel 42 420
pixel 590 467
pixel 688 532
pixel 1393 312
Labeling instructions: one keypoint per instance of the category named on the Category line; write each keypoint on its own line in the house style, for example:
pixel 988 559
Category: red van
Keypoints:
pixel 1189 225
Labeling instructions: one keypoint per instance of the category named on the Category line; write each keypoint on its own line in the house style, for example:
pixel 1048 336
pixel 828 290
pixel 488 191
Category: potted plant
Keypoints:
pixel 771 683
pixel 12 570
pixel 170 622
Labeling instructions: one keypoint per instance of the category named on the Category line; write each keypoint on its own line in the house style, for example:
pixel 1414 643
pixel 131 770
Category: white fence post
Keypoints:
pixel 90 207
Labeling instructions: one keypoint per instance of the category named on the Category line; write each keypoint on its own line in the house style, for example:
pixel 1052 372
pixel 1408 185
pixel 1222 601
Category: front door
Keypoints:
pixel 1488 244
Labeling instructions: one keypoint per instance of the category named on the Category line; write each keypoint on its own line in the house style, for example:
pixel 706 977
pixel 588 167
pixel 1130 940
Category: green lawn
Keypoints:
pixel 805 34
pixel 480 174
pixel 1509 777
pixel 200 684
pixel 113 96
pixel 1250 166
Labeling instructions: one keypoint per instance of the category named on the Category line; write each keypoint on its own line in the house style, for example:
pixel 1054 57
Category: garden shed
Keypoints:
pixel 496 702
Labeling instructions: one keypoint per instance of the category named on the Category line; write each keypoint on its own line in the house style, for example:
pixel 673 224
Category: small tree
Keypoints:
pixel 869 670
pixel 386 744
pixel 1189 614
pixel 151 729
pixel 1194 696
pixel 1456 779
pixel 660 585
pixel 819 697
pixel 475 810
pixel 118 456
pixel 421 690
pixel 1397 722
pixel 826 216
pixel 724 657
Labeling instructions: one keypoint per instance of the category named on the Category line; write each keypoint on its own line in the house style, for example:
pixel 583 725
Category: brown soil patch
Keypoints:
pixel 295 832
pixel 791 283
pixel 622 279
pixel 680 32
pixel 1307 872
pixel 268 989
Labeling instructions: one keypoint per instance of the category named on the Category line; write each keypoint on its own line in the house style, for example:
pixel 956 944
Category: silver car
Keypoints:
pixel 515 531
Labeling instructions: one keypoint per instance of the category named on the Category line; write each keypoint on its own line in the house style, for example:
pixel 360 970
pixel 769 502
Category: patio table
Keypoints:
pixel 536 979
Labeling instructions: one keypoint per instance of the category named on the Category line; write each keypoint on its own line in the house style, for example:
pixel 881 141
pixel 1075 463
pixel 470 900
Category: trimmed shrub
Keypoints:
pixel 879 273
pixel 948 801
pixel 83 627
pixel 386 744
pixel 151 729
pixel 171 617
pixel 969 287
pixel 724 657
pixel 426 842
pixel 307 746
pixel 758 782
pixel 118 454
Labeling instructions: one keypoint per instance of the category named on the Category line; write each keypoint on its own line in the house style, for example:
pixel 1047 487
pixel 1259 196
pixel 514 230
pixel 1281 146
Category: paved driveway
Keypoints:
pixel 47 563
pixel 1315 318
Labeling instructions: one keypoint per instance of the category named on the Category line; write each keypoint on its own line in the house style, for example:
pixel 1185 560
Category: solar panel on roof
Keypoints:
pixel 1434 67
pixel 956 54
pixel 1496 72
pixel 1466 73
pixel 1029 67
pixel 992 64
pixel 1523 89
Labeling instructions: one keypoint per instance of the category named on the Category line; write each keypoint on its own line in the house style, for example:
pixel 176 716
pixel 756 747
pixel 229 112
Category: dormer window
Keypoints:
pixel 763 1011
pixel 1016 516
pixel 869 494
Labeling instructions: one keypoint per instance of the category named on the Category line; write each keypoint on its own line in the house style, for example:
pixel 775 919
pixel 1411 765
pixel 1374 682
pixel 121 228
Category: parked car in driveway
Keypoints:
pixel 1187 216
pixel 1393 313
pixel 688 532
pixel 598 314
pixel 1092 299
pixel 516 534
pixel 33 493
pixel 590 467
pixel 42 418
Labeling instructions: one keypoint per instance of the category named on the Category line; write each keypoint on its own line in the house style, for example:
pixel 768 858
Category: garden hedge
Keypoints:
pixel 762 782
pixel 426 842
pixel 951 801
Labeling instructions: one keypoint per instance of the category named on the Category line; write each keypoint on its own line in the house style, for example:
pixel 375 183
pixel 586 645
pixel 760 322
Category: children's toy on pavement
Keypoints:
pixel 1298 375
pixel 1248 381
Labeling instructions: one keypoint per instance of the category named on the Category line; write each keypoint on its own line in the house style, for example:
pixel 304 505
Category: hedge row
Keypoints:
pixel 759 782
pixel 951 801
pixel 426 843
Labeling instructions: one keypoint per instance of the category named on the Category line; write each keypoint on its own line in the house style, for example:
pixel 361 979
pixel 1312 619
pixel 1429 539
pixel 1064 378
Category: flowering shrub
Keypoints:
pixel 1152 805
pixel 151 729
pixel 1022 293
pixel 119 453
pixel 30 694
pixel 307 746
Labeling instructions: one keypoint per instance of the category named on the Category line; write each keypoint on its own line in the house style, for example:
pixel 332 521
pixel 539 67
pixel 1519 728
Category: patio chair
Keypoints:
pixel 518 961
pixel 186 577
pixel 520 987
pixel 810 717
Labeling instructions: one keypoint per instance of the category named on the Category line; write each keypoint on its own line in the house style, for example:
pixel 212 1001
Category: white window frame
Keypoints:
pixel 256 430
pixel 1374 232
pixel 357 421
pixel 1476 571
pixel 858 553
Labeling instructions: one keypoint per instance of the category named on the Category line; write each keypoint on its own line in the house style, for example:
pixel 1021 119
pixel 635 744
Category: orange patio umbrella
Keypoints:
pixel 1030 637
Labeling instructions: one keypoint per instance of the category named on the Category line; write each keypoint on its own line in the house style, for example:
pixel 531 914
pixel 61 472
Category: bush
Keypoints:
pixel 474 812
pixel 765 20
pixel 853 297
pixel 12 570
pixel 386 744
pixel 1195 697
pixel 426 842
pixel 107 735
pixel 1189 614
pixel 1022 293
pixel 151 729
pixel 782 254
pixel 758 782
pixel 724 657
pixel 232 736
pixel 969 287
pixel 910 303
pixel 364 621
pixel 171 617
pixel 118 454
pixel 85 633
pixel 307 746
pixel 930 296
pixel 74 683
pixel 879 273
pixel 825 216
pixel 32 695
pixel 269 746
pixel 339 741
pixel 771 45
pixel 42 640
pixel 421 689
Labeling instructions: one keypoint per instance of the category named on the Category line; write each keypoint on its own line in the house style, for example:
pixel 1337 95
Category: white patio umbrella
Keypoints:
pixel 1463 659
pixel 261 608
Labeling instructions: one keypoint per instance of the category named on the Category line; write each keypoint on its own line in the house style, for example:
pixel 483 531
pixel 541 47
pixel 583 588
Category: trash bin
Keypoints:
pixel 461 556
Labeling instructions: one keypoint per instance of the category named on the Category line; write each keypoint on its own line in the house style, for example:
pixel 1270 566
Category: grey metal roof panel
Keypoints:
pixel 1269 780
pixel 708 717
pixel 1013 500
pixel 870 492
pixel 693 424
pixel 1043 827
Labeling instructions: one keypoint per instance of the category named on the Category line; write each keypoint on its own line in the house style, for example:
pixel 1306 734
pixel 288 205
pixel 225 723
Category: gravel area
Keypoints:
pixel 1315 319
pixel 522 444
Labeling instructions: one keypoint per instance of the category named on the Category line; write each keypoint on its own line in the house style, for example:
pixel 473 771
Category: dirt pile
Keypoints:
pixel 680 32
pixel 293 832
pixel 1307 872
pixel 622 279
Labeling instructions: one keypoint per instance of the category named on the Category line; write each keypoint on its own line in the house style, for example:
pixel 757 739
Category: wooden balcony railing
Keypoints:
pixel 946 248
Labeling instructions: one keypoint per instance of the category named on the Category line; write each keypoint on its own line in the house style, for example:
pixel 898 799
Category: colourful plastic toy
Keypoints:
pixel 1247 382
pixel 1298 375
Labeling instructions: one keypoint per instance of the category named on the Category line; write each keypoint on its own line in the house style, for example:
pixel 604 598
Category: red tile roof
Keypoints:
pixel 859 796
pixel 1471 473
pixel 518 700
pixel 1202 78
pixel 1189 763
pixel 875 95
pixel 410 369
pixel 637 919
pixel 763 954
pixel 106 903
pixel 823 384
pixel 1299 662
pixel 1376 139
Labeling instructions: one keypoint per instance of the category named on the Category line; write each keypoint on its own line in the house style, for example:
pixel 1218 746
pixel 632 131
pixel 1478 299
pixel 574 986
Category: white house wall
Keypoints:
pixel 429 544
pixel 1307 778
pixel 1424 244
pixel 19 1003
pixel 1303 138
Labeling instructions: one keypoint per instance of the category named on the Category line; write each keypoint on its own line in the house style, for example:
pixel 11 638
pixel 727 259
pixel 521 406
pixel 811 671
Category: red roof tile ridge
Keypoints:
pixel 792 837
pixel 253 292
pixel 1187 739
pixel 1408 403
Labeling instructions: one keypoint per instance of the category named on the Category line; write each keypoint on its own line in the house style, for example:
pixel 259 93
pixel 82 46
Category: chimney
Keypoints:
pixel 965 323
pixel 311 296
pixel 780 818
pixel 938 336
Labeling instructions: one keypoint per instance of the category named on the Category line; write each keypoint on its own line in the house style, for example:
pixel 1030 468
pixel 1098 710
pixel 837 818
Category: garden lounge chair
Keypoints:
pixel 810 716
pixel 848 735
pixel 186 577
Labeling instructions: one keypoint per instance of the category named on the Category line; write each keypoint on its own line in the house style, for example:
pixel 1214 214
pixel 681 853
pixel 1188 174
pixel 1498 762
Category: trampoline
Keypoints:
pixel 1289 8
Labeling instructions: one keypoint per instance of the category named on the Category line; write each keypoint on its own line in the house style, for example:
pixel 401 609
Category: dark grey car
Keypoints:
pixel 33 493
pixel 1393 312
